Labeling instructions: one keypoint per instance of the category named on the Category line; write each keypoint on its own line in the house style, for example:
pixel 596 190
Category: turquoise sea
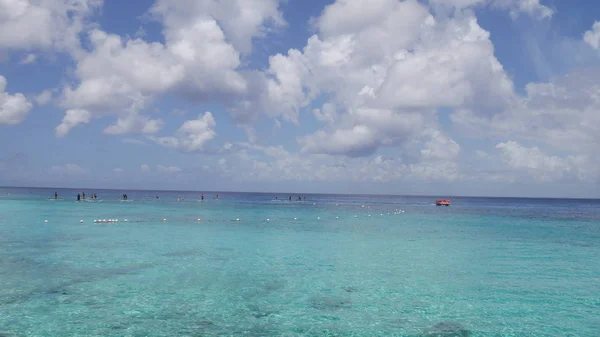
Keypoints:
pixel 332 265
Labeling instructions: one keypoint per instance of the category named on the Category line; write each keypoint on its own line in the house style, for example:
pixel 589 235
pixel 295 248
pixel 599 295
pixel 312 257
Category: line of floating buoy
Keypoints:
pixel 397 212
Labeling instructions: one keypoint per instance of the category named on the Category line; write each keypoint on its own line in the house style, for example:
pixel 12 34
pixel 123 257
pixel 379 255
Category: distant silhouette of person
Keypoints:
pixel 83 195
pixel 202 197
pixel 78 197
pixel 55 195
pixel 290 198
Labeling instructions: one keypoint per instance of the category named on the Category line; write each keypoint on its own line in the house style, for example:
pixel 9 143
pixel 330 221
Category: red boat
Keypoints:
pixel 442 202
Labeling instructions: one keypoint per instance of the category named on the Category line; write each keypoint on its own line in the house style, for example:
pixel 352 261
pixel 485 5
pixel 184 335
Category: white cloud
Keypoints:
pixel 134 123
pixel 69 170
pixel 562 113
pixel 73 117
pixel 49 24
pixel 592 37
pixel 440 147
pixel 515 7
pixel 168 169
pixel 192 135
pixel 118 170
pixel 546 168
pixel 30 58
pixel 13 108
pixel 248 162
pixel 44 97
pixel 386 71
pixel 241 20
pixel 199 60
pixel 145 168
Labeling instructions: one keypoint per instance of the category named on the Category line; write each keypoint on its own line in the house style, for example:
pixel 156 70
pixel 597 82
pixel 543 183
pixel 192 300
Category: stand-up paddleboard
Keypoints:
pixel 52 199
pixel 123 200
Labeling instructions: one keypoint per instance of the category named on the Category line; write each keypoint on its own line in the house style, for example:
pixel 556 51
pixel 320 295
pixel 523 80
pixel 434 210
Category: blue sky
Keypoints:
pixel 478 97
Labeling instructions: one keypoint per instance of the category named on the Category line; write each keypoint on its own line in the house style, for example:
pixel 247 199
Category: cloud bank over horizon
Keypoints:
pixel 390 96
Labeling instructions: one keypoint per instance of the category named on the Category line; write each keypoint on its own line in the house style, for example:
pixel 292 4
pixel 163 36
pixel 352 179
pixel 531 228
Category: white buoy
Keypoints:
pixel 363 206
pixel 45 220
pixel 268 219
pixel 80 221
pixel 355 216
pixel 164 219
pixel 199 219
pixel 94 221
pixel 295 218
pixel 337 217
pixel 318 218
pixel 116 220
pixel 238 219
pixel 369 215
pixel 125 220
pixel 381 214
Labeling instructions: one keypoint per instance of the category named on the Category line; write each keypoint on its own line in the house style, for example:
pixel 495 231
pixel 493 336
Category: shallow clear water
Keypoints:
pixel 482 267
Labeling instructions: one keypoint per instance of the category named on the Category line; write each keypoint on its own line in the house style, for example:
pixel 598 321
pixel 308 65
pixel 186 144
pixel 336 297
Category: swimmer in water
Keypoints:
pixel 202 197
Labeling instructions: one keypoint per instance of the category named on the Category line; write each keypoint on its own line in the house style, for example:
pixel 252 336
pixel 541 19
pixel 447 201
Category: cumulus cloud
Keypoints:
pixel 44 97
pixel 592 37
pixel 199 60
pixel 386 72
pixel 192 135
pixel 543 167
pixel 47 25
pixel 134 123
pixel 374 75
pixel 73 117
pixel 249 162
pixel 515 7
pixel 13 108
pixel 562 113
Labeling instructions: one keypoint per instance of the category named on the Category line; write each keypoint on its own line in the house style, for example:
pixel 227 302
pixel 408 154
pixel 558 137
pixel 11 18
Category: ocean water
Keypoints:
pixel 328 266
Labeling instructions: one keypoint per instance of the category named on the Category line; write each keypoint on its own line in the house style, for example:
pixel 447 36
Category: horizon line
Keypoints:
pixel 309 193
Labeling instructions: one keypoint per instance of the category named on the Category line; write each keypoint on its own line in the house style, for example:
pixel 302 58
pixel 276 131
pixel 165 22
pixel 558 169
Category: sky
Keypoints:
pixel 411 97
